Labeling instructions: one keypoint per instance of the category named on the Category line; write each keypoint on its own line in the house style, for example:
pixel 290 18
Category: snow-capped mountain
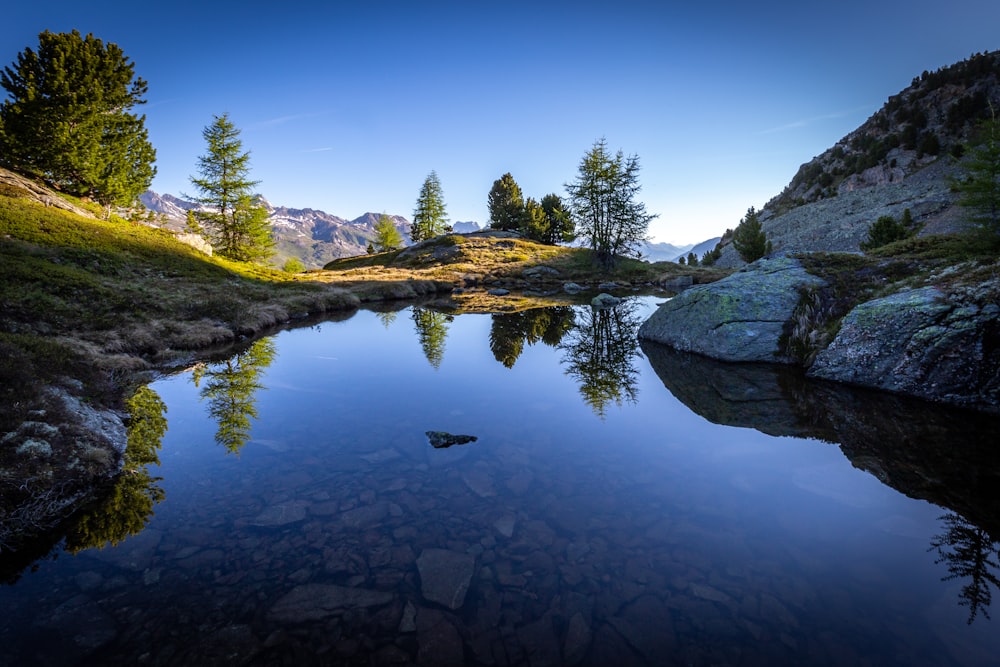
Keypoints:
pixel 313 236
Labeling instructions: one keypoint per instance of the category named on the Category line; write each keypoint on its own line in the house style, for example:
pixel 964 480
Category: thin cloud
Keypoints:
pixel 317 150
pixel 281 120
pixel 805 122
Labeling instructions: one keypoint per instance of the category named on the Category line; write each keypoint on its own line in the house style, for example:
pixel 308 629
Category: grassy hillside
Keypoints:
pixel 486 259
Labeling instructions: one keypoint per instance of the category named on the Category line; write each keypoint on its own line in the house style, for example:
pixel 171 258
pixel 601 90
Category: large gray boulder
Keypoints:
pixel 739 318
pixel 922 342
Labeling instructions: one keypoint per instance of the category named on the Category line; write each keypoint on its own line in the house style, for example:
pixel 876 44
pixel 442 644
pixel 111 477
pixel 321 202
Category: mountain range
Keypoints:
pixel 317 237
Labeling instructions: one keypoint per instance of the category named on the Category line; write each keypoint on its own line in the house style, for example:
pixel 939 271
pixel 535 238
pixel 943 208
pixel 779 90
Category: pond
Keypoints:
pixel 533 488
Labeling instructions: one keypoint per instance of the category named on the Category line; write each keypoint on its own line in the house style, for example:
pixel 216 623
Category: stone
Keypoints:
pixel 408 623
pixel 647 626
pixel 573 288
pixel 499 291
pixel 445 576
pixel 604 300
pixel 505 525
pixel 536 272
pixel 608 286
pixel 438 640
pixel 281 514
pixel 738 318
pixel 577 639
pixel 312 602
pixel 540 643
pixel 479 480
pixel 921 342
pixel 366 515
pixel 80 618
pixel 443 439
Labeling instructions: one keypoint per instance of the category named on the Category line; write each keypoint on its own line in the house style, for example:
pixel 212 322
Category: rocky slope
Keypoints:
pixel 902 157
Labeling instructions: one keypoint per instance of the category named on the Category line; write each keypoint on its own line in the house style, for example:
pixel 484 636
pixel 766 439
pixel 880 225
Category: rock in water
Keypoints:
pixel 739 318
pixel 442 439
pixel 922 342
pixel 311 602
pixel 445 576
pixel 605 300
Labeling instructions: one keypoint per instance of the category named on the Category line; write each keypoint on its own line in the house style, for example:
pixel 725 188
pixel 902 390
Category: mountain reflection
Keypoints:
pixel 231 387
pixel 940 454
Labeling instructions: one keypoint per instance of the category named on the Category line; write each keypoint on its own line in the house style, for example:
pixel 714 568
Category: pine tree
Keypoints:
pixel 236 222
pixel 980 190
pixel 603 205
pixel 429 218
pixel 505 203
pixel 69 120
pixel 387 237
pixel 559 227
pixel 749 238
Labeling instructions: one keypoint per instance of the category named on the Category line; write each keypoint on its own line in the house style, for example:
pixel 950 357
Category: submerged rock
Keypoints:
pixel 445 576
pixel 311 602
pixel 739 318
pixel 442 439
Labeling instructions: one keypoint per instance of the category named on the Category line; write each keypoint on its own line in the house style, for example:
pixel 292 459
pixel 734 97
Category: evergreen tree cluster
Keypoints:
pixel 68 120
pixel 887 230
pixel 546 221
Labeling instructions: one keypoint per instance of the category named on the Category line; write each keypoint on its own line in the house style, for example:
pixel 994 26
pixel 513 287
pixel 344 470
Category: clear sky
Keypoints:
pixel 346 107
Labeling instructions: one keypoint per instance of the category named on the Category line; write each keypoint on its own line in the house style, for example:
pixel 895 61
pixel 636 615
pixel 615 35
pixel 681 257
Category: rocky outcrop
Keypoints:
pixel 739 318
pixel 921 342
pixel 930 342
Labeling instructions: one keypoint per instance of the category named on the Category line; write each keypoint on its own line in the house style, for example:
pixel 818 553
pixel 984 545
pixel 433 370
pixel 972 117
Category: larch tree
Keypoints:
pixel 387 237
pixel 506 204
pixel 68 119
pixel 235 222
pixel 429 218
pixel 603 204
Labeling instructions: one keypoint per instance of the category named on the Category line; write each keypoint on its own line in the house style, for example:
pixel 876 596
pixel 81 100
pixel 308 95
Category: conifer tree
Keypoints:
pixel 236 221
pixel 505 203
pixel 387 237
pixel 603 204
pixel 429 218
pixel 980 190
pixel 749 239
pixel 69 120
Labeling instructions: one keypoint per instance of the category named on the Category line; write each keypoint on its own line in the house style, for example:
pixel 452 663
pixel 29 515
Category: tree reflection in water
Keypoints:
pixel 510 331
pixel 970 553
pixel 599 354
pixel 432 330
pixel 231 387
pixel 127 508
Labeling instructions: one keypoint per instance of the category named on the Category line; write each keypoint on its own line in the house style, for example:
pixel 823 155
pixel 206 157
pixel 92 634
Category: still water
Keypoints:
pixel 610 504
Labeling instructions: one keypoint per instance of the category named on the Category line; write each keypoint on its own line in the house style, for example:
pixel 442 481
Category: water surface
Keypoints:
pixel 619 505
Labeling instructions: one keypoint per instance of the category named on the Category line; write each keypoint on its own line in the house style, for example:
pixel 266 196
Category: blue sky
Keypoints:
pixel 348 107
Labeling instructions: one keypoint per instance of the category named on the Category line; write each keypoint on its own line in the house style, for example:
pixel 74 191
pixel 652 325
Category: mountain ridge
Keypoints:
pixel 905 155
